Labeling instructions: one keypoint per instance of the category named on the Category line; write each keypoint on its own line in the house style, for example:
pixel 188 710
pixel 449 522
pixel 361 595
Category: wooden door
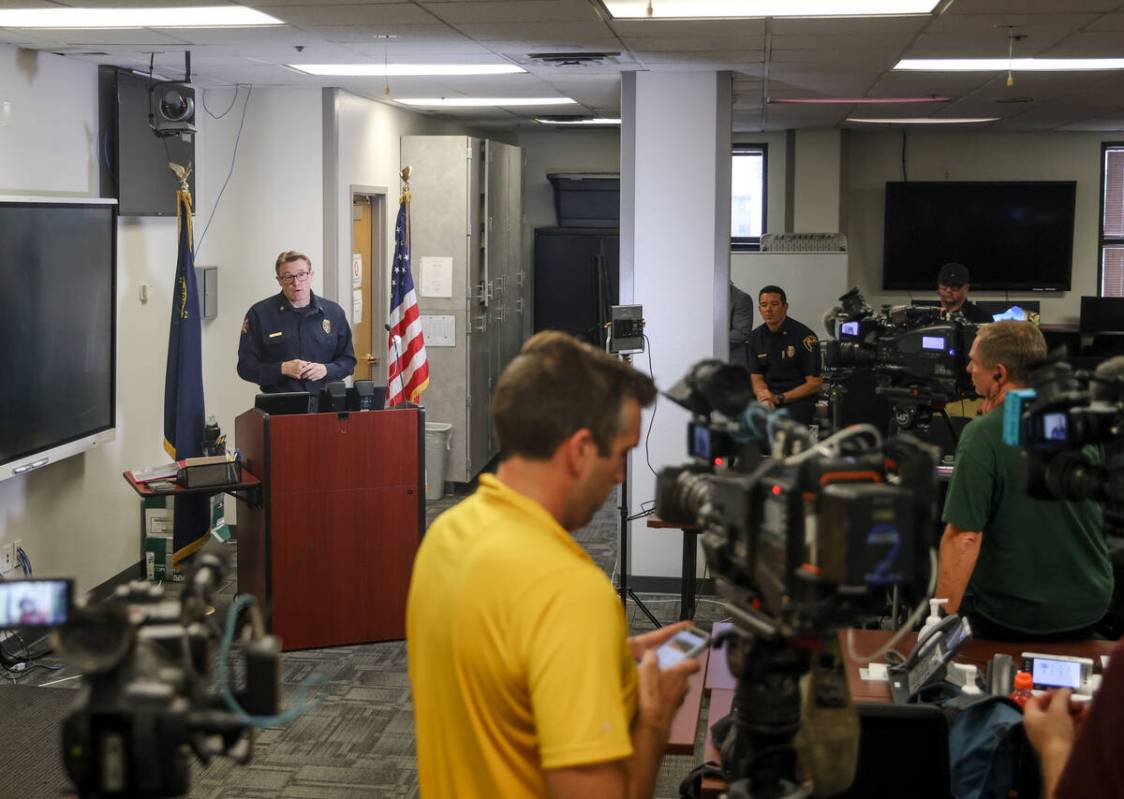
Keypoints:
pixel 363 294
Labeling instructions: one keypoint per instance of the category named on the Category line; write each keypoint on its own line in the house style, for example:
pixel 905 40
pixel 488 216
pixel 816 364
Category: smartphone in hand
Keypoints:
pixel 688 643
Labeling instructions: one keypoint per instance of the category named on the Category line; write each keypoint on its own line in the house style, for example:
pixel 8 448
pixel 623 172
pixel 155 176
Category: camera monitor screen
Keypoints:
pixel 849 328
pixel 1056 673
pixel 1054 426
pixel 34 603
pixel 933 343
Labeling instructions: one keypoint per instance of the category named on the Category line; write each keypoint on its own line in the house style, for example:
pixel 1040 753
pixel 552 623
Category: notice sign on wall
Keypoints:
pixel 439 330
pixel 356 269
pixel 436 276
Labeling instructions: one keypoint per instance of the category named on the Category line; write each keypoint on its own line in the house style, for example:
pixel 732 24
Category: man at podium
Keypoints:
pixel 295 341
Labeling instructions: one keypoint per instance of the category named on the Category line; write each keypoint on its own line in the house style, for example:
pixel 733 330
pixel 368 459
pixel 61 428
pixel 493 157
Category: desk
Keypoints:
pixel 687 583
pixel 866 642
pixel 719 682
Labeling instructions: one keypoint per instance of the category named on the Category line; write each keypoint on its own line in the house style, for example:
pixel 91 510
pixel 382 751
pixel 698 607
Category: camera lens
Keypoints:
pixel 176 105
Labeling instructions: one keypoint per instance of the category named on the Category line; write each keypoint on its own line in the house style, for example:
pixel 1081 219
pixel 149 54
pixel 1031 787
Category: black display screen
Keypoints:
pixel 1016 235
pixel 58 260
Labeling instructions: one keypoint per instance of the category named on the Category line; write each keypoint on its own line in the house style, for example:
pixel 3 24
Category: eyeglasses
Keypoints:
pixel 299 277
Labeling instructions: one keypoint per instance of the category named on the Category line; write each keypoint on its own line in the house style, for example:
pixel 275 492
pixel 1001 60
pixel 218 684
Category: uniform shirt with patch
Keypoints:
pixel 786 357
pixel 273 332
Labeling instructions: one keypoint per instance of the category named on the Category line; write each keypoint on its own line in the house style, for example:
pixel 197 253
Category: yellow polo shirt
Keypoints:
pixel 517 647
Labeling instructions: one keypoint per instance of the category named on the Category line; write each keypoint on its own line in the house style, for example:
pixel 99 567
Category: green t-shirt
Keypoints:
pixel 1043 565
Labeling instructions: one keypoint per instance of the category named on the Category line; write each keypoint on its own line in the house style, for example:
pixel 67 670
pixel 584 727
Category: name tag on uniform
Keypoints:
pixel 278 333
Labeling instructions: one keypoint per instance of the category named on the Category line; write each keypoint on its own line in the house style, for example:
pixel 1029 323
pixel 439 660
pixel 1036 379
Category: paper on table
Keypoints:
pixel 156 472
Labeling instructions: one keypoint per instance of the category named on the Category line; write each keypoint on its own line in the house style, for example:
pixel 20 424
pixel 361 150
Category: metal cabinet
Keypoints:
pixel 467 201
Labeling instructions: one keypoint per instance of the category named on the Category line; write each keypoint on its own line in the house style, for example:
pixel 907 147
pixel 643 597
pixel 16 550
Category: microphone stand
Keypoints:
pixel 394 339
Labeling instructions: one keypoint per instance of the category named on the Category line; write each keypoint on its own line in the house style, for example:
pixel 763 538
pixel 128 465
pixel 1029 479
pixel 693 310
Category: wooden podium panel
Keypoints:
pixel 330 550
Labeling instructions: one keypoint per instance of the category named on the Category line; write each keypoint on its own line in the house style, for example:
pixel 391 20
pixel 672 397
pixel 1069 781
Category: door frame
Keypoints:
pixel 380 287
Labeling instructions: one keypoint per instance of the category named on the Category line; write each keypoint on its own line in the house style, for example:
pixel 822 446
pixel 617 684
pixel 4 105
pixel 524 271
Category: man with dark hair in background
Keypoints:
pixel 1019 568
pixel 524 681
pixel 953 284
pixel 784 358
pixel 294 340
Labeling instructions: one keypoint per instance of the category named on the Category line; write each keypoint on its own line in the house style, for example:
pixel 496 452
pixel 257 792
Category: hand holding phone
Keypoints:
pixel 687 643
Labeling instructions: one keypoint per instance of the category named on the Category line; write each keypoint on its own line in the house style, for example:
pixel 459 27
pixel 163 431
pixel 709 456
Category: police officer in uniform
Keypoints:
pixel 784 358
pixel 295 341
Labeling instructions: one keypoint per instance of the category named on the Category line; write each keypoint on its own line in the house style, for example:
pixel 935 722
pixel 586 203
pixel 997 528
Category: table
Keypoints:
pixel 720 683
pixel 687 583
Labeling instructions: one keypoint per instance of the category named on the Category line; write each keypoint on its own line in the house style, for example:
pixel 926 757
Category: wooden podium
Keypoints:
pixel 329 550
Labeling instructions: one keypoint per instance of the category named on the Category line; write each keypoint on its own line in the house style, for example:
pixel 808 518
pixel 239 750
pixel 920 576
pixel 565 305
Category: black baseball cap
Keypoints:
pixel 954 274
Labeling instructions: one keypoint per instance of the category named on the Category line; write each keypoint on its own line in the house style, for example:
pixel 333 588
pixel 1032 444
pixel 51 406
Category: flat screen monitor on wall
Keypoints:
pixel 57 394
pixel 1012 236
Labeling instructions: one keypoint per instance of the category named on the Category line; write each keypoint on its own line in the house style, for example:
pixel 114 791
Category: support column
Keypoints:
pixel 675 260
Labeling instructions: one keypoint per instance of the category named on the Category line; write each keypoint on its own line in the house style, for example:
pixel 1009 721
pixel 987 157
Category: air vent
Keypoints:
pixel 575 59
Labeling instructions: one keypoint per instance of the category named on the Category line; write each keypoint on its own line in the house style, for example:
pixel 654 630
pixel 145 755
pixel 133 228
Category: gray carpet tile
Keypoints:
pixel 359 741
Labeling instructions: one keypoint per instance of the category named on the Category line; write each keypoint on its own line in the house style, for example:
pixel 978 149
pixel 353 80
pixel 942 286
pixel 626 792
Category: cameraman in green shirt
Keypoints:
pixel 1019 568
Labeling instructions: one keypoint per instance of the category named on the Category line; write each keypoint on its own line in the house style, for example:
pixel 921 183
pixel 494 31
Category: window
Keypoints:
pixel 747 212
pixel 1112 222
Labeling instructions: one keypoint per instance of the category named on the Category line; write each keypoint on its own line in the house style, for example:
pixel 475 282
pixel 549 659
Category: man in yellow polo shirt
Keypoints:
pixel 524 681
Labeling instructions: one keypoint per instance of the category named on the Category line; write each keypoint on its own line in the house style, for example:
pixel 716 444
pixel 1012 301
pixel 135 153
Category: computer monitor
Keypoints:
pixel 284 402
pixel 1102 315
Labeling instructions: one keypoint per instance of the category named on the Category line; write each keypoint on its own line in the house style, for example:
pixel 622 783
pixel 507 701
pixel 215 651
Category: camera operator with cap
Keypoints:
pixel 294 340
pixel 1020 568
pixel 524 682
pixel 953 284
pixel 784 358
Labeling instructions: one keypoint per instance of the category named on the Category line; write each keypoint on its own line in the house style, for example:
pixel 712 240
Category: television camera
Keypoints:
pixel 918 357
pixel 1071 426
pixel 802 538
pixel 147 694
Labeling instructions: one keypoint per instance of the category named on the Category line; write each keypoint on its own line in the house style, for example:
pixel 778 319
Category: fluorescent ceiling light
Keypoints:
pixel 181 17
pixel 595 121
pixel 405 70
pixel 477 102
pixel 855 100
pixel 625 9
pixel 924 120
pixel 1002 64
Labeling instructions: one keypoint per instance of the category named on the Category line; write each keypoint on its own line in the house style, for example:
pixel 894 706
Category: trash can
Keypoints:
pixel 438 442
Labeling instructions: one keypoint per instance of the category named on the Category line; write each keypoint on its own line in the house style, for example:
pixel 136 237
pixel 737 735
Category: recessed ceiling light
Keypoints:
pixel 476 102
pixel 855 100
pixel 181 17
pixel 1003 64
pixel 594 121
pixel 405 70
pixel 680 9
pixel 924 120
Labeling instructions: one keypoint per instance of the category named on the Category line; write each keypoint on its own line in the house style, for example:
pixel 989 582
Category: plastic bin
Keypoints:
pixel 592 200
pixel 438 442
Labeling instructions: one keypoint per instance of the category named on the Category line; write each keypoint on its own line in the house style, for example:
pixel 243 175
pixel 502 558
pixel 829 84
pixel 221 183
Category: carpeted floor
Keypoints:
pixel 358 743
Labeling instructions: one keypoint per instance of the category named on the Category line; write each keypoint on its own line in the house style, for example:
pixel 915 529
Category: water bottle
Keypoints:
pixel 1024 684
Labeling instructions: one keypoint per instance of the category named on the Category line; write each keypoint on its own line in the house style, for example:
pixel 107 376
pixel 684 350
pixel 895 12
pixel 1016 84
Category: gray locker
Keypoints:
pixel 467 205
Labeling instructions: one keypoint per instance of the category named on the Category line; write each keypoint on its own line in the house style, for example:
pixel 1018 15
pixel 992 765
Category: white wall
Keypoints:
pixel 78 517
pixel 875 158
pixel 818 172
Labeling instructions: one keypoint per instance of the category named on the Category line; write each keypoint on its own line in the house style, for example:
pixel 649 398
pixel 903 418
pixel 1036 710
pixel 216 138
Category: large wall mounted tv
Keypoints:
pixel 1012 236
pixel 57 394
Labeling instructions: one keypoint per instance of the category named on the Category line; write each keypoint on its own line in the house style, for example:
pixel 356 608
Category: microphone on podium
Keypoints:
pixel 394 339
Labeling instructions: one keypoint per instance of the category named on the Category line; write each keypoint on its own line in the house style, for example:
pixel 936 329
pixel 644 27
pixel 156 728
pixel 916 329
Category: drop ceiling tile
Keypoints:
pixel 849 26
pixel 693 43
pixel 381 14
pixel 537 31
pixel 686 29
pixel 719 60
pixel 137 38
pixel 1089 44
pixel 1109 22
pixel 980 24
pixel 404 35
pixel 977 7
pixel 513 11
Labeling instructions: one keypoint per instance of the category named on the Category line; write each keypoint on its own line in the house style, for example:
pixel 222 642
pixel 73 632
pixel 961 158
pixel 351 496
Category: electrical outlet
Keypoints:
pixel 7 557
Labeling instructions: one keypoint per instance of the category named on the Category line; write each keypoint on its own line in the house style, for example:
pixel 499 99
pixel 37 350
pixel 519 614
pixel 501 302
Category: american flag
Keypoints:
pixel 408 375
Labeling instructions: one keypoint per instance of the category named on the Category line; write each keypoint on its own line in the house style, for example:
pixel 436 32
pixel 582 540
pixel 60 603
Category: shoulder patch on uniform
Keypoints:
pixel 809 342
pixel 245 325
pixel 327 325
